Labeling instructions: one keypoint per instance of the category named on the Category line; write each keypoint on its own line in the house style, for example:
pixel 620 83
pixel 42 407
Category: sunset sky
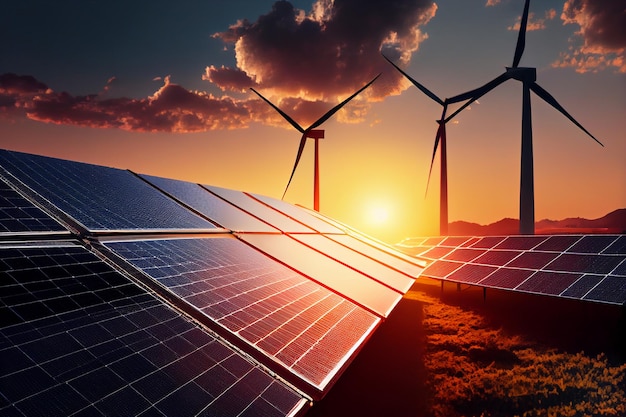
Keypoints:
pixel 162 88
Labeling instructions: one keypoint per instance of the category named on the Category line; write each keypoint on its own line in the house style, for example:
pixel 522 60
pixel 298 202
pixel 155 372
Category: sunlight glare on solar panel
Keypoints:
pixel 303 216
pixel 336 276
pixel 372 267
pixel 99 198
pixel 393 258
pixel 97 344
pixel 211 206
pixel 260 210
pixel 266 304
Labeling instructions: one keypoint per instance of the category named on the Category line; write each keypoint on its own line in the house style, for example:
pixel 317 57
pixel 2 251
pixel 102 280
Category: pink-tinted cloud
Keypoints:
pixel 600 41
pixel 534 23
pixel 306 62
pixel 327 53
pixel 171 108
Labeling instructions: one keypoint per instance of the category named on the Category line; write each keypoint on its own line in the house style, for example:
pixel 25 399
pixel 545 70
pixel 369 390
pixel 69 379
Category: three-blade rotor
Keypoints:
pixel 317 123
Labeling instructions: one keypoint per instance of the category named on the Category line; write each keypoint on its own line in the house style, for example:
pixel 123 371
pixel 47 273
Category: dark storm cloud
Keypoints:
pixel 602 24
pixel 329 52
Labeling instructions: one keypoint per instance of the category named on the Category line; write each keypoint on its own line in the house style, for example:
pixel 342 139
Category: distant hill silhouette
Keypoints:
pixel 614 222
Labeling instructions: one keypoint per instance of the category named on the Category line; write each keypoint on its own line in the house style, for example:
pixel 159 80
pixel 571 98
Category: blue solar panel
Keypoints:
pixel 78 338
pixel 211 206
pixel 97 197
pixel 18 215
pixel 260 210
pixel 587 267
pixel 307 329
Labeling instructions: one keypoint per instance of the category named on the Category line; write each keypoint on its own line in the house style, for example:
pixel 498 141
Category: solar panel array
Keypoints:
pixel 127 294
pixel 585 267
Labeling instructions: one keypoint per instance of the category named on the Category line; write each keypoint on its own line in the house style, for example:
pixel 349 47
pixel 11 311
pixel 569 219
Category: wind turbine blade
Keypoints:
pixel 477 93
pixel 295 165
pixel 282 113
pixel 338 106
pixel 547 97
pixel 415 83
pixel 432 160
pixel 521 37
pixel 460 109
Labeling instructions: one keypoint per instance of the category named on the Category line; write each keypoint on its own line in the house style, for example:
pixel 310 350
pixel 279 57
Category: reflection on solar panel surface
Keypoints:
pixel 99 198
pixel 308 329
pixel 300 215
pixel 587 267
pixel 20 215
pixel 395 259
pixel 78 338
pixel 377 270
pixel 334 275
pixel 260 210
pixel 213 207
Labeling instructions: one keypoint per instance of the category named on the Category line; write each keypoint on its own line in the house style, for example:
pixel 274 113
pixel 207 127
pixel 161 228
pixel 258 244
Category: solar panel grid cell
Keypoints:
pixel 521 242
pixel 488 242
pixel 496 257
pixel 558 243
pixel 610 290
pixel 99 198
pixel 441 269
pixel 582 286
pixel 129 348
pixel 533 260
pixel 470 273
pixel 463 254
pixel 506 278
pixel 266 304
pixel 592 244
pixel 548 282
pixel 592 264
pixel 17 214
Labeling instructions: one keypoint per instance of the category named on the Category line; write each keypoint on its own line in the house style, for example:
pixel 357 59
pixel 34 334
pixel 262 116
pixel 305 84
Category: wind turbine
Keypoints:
pixel 528 77
pixel 312 133
pixel 439 138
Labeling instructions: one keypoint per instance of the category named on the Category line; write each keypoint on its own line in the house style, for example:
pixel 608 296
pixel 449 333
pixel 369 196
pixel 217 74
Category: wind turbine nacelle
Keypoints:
pixel 523 74
pixel 315 134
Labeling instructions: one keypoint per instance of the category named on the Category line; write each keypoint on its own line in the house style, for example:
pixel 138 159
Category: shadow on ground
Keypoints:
pixel 387 378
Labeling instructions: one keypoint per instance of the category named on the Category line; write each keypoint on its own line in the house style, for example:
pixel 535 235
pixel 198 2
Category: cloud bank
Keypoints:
pixel 600 41
pixel 306 62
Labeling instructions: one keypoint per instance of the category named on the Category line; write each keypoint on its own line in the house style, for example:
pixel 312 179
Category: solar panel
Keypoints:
pixel 307 329
pixel 97 197
pixel 336 276
pixel 394 259
pixel 302 216
pixel 18 215
pixel 379 271
pixel 589 267
pixel 211 206
pixel 260 210
pixel 79 338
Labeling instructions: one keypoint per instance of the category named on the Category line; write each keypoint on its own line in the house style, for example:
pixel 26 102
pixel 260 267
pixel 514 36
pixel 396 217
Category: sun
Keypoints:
pixel 378 215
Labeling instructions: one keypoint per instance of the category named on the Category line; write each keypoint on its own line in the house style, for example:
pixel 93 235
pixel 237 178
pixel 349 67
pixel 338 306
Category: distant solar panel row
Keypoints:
pixel 587 267
pixel 78 338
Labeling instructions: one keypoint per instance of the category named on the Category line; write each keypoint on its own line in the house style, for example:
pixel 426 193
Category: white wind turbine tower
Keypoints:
pixel 528 77
pixel 311 132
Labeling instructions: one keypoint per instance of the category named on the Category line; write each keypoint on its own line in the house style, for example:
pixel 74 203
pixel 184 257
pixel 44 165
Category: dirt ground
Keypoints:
pixel 453 353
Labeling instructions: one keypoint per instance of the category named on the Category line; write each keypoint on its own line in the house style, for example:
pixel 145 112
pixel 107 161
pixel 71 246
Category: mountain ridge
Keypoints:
pixel 613 222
